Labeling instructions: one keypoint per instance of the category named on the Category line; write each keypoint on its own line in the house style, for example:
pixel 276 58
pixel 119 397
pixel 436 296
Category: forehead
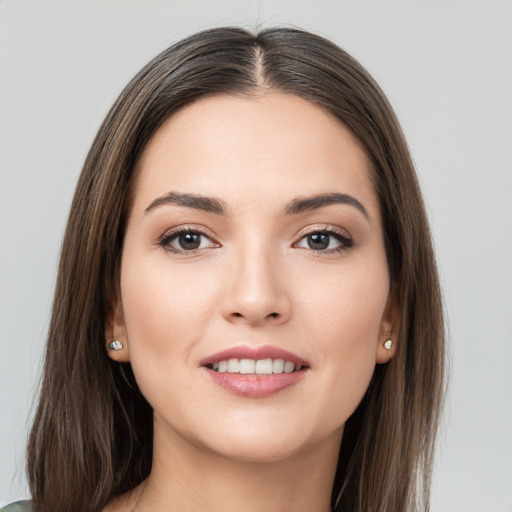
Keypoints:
pixel 271 146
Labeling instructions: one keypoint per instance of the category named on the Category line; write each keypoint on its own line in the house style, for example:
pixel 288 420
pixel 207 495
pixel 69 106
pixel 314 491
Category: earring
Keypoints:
pixel 115 345
pixel 388 344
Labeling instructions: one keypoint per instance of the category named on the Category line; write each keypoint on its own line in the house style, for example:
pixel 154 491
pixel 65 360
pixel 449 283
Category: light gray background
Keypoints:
pixel 446 66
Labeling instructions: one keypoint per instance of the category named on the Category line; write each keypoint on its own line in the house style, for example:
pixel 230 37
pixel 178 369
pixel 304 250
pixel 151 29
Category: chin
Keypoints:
pixel 265 444
pixel 258 451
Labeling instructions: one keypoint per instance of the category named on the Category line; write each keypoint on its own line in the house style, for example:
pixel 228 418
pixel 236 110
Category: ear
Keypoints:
pixel 389 329
pixel 115 329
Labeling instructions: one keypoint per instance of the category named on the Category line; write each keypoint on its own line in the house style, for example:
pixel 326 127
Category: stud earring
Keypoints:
pixel 115 345
pixel 388 344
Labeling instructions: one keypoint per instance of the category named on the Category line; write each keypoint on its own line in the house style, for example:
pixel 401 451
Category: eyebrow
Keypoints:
pixel 296 206
pixel 207 204
pixel 306 204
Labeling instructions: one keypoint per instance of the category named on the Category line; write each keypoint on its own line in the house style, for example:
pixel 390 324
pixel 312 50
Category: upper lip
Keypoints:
pixel 254 352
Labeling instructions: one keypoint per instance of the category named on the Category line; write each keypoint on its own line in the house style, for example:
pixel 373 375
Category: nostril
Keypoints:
pixel 270 315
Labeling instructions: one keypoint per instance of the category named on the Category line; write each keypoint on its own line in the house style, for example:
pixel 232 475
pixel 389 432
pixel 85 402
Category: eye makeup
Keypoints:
pixel 328 240
pixel 185 240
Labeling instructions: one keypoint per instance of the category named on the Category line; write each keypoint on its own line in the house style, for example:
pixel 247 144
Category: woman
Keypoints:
pixel 247 313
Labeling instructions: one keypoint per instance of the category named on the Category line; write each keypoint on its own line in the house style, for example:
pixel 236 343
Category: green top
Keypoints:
pixel 19 506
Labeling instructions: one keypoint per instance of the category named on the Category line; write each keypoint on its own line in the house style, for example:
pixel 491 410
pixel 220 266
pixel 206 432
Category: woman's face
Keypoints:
pixel 254 247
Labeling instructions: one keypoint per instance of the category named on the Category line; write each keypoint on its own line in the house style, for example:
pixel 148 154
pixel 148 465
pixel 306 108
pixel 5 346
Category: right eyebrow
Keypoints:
pixel 199 202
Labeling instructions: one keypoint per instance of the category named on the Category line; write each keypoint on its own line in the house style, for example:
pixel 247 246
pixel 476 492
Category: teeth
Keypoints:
pixel 258 367
pixel 288 367
pixel 277 366
pixel 264 367
pixel 247 365
pixel 233 366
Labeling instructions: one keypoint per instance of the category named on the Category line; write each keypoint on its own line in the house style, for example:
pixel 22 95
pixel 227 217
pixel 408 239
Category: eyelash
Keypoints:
pixel 346 242
pixel 165 240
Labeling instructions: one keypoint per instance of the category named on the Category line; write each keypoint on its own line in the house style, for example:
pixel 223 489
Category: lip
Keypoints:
pixel 252 352
pixel 255 386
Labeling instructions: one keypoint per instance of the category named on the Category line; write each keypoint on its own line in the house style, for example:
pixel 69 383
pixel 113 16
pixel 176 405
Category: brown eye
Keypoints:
pixel 189 241
pixel 318 241
pixel 186 240
pixel 327 241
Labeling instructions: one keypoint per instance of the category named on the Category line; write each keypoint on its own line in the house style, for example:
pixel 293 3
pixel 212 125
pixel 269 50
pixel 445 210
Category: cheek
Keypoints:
pixel 346 319
pixel 346 306
pixel 165 312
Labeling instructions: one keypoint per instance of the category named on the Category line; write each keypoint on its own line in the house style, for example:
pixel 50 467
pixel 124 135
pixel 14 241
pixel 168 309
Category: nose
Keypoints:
pixel 256 290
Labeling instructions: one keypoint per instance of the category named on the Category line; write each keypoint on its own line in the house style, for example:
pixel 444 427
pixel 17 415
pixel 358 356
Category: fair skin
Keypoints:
pixel 269 270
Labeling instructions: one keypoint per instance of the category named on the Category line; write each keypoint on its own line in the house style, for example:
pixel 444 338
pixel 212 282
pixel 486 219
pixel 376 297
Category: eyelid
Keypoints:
pixel 324 228
pixel 345 238
pixel 164 240
pixel 341 234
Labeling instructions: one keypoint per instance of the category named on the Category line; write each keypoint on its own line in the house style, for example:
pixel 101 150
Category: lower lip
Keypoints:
pixel 256 386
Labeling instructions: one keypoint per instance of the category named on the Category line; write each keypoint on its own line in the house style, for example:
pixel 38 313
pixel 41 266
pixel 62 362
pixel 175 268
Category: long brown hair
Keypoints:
pixel 92 434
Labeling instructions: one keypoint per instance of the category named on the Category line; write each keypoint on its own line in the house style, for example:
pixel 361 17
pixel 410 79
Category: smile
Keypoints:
pixel 255 366
pixel 255 372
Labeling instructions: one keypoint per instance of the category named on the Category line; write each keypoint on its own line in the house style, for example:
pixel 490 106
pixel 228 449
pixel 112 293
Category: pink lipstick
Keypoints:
pixel 255 372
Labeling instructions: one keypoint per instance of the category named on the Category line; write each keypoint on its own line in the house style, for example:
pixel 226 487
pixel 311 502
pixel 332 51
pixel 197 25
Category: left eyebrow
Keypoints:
pixel 306 204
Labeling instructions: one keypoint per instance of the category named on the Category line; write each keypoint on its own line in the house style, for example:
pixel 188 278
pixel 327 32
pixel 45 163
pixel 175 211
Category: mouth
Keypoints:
pixel 255 366
pixel 255 372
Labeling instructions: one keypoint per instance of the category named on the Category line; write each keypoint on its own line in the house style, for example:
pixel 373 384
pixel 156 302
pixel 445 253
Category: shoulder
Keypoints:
pixel 19 506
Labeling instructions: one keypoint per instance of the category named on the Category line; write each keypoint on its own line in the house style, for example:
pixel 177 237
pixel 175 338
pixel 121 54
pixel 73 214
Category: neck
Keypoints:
pixel 191 478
